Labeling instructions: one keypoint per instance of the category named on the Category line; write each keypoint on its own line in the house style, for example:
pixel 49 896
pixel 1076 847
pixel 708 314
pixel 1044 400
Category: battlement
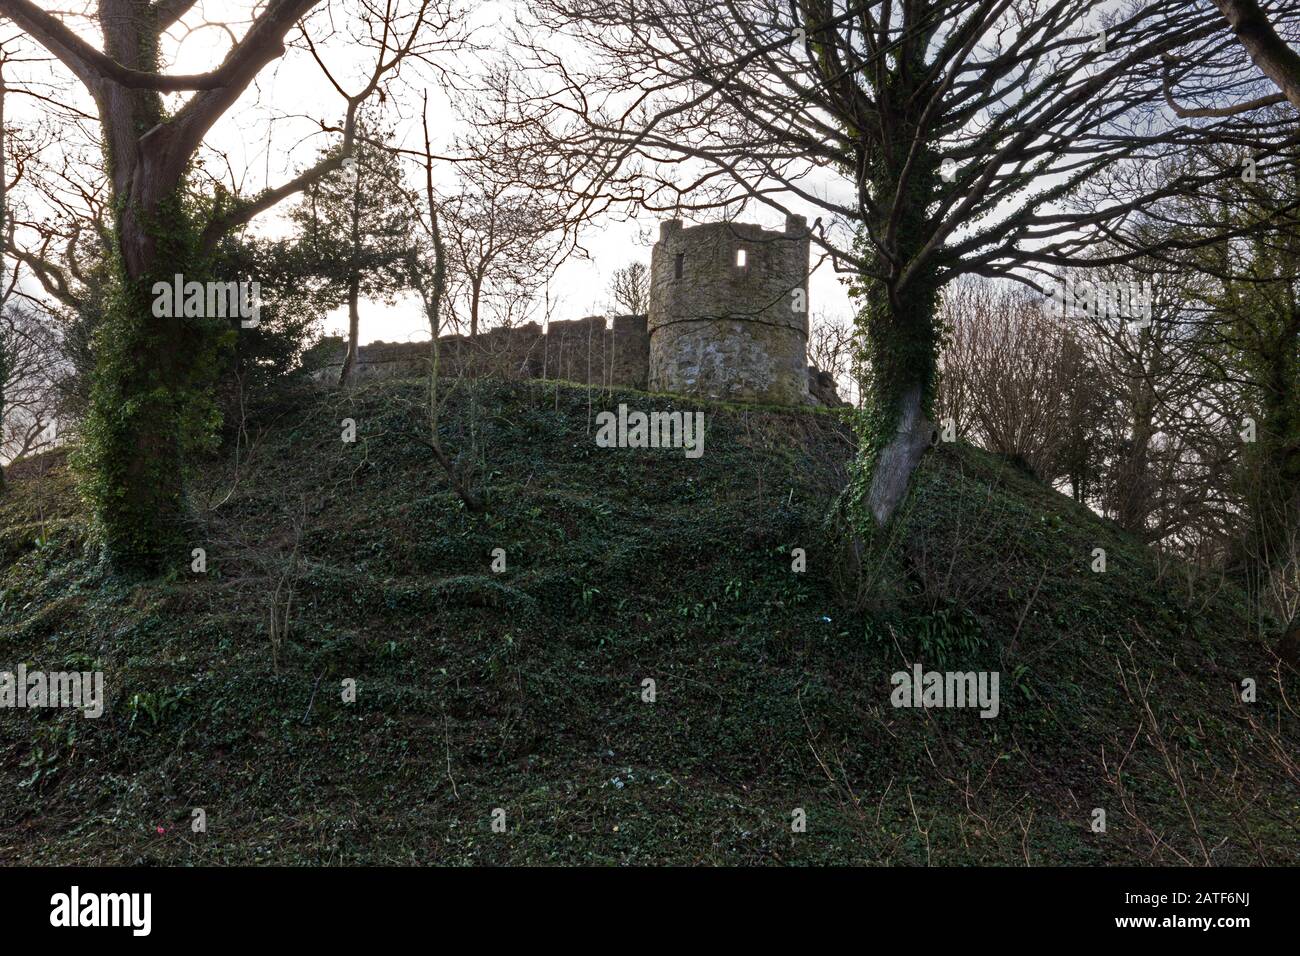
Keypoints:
pixel 581 350
pixel 729 311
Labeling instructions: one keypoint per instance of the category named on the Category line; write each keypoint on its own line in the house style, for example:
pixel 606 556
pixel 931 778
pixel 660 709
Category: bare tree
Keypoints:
pixel 500 241
pixel 431 284
pixel 505 232
pixel 833 348
pixel 932 138
pixel 629 289
pixel 1015 379
pixel 30 365
pixel 1162 450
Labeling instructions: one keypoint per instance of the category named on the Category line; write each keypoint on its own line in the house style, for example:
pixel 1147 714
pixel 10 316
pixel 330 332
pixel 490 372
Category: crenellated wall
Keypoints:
pixel 583 350
pixel 718 327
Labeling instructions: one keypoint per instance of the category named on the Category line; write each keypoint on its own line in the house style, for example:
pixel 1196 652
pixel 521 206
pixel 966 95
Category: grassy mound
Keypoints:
pixel 333 564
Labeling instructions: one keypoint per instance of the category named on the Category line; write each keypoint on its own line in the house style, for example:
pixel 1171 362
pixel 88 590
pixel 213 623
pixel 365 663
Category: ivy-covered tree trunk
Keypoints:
pixel 151 396
pixel 1272 463
pixel 897 326
pixel 900 339
pixel 1260 325
pixel 149 403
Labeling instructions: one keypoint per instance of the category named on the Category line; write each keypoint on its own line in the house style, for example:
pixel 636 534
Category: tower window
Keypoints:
pixel 742 258
pixel 679 265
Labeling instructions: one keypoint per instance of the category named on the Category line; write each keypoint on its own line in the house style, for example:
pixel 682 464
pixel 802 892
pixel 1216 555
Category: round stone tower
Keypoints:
pixel 729 311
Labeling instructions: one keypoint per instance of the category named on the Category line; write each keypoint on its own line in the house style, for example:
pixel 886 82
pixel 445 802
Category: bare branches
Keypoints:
pixel 1014 381
pixel 1210 111
pixel 263 43
pixel 94 67
pixel 402 36
pixel 30 365
pixel 1267 51
pixel 432 290
pixel 720 105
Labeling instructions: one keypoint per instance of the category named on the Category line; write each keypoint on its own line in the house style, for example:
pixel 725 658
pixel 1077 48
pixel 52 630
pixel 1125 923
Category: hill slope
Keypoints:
pixel 523 690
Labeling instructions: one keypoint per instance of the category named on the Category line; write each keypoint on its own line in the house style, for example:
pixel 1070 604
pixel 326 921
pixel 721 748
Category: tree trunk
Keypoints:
pixel 354 330
pixel 152 397
pixel 1272 464
pixel 1266 49
pixel 899 457
pixel 1273 472
pixel 475 297
pixel 354 286
pixel 1131 487
pixel 138 399
pixel 899 292
pixel 900 334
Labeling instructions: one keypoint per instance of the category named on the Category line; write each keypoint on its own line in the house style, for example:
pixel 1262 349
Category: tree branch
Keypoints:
pixel 1184 112
pixel 1278 61
pixel 94 67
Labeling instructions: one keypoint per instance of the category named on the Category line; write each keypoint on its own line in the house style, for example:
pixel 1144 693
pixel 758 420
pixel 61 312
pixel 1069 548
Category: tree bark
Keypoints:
pixel 476 296
pixel 1132 495
pixel 898 325
pixel 141 359
pixel 1266 49
pixel 354 330
pixel 354 286
pixel 899 457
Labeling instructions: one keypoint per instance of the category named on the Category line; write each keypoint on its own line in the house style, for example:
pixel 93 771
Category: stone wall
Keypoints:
pixel 583 350
pixel 729 311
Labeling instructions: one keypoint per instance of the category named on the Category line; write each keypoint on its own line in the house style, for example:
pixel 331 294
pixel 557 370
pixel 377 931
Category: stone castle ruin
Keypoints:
pixel 729 312
pixel 728 320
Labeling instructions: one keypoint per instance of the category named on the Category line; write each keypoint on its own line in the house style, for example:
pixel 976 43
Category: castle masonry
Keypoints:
pixel 729 311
